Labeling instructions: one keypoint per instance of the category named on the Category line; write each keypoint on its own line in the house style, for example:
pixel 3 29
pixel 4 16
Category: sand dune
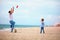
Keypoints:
pixel 31 33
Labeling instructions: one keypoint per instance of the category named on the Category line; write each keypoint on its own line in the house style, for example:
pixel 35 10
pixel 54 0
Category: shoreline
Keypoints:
pixel 20 28
pixel 8 29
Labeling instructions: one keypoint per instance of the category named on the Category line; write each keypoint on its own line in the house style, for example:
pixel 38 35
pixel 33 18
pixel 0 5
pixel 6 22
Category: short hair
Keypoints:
pixel 9 12
pixel 42 19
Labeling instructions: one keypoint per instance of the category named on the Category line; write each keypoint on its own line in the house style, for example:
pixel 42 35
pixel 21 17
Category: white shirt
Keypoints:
pixel 11 17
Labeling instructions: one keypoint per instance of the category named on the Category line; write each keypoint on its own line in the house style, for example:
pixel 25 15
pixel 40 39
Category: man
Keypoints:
pixel 12 23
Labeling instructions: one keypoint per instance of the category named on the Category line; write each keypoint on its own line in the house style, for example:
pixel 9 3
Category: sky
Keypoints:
pixel 30 12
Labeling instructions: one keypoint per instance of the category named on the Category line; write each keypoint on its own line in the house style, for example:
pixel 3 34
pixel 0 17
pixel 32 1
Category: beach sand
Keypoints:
pixel 31 33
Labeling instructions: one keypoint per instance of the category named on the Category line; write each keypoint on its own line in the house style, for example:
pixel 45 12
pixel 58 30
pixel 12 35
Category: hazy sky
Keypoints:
pixel 30 12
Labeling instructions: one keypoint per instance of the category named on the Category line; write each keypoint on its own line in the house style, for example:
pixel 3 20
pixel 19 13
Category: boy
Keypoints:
pixel 42 26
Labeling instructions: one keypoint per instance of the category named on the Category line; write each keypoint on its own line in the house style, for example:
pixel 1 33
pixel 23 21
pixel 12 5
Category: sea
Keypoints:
pixel 4 26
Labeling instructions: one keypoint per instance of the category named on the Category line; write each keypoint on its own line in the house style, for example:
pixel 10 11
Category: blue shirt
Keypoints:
pixel 42 24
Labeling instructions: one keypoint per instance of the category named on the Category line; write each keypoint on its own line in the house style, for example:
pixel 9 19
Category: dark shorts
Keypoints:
pixel 42 27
